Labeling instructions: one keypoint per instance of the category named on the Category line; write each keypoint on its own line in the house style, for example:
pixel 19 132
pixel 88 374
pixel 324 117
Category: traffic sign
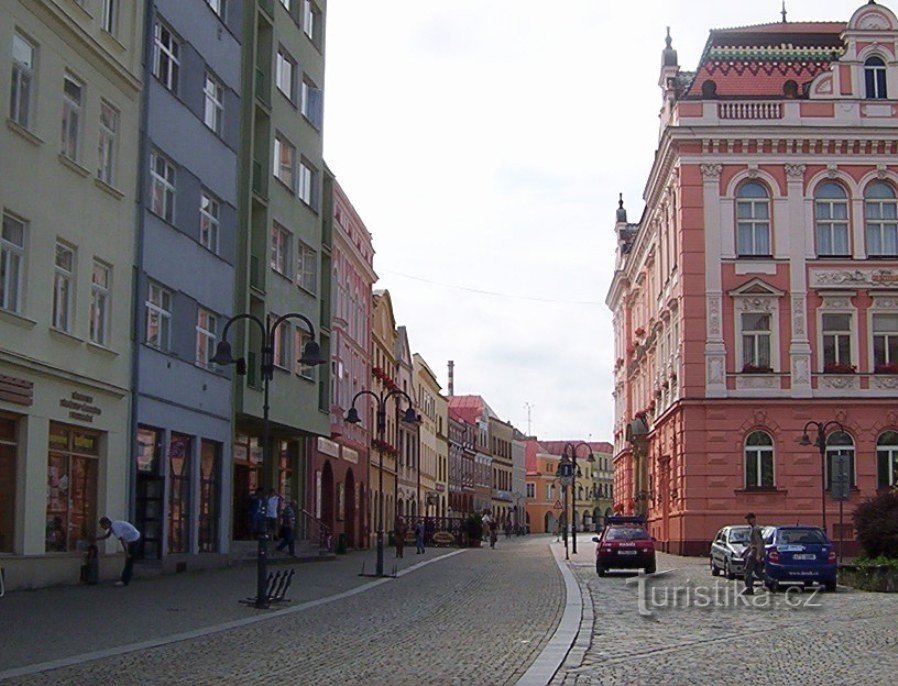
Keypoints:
pixel 841 477
pixel 558 505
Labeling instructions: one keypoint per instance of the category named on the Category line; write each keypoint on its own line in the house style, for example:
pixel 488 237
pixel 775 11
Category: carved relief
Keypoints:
pixel 714 316
pixel 885 382
pixel 755 382
pixel 839 382
pixel 801 371
pixel 873 21
pixel 795 171
pixel 715 370
pixel 880 171
pixel 755 304
pixel 798 315
pixel 851 278
pixel 837 303
pixel 711 171
pixel 887 303
pixel 831 170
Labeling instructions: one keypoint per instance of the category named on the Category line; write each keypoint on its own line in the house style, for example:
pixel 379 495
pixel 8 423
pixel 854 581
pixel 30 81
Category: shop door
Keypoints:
pixel 150 506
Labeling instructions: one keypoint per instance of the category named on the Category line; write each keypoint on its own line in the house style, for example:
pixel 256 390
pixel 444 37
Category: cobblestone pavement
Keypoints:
pixel 479 617
pixel 851 638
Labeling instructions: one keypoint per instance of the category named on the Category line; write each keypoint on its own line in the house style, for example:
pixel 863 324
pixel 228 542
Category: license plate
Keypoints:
pixel 626 552
pixel 804 556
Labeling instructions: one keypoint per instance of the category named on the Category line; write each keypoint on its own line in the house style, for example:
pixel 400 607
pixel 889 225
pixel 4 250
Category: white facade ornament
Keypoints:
pixel 711 171
pixel 715 370
pixel 756 303
pixel 752 172
pixel 755 382
pixel 881 171
pixel 801 371
pixel 832 170
pixel 798 315
pixel 873 21
pixel 885 303
pixel 836 303
pixel 853 278
pixel 795 171
pixel 840 382
pixel 884 382
pixel 714 330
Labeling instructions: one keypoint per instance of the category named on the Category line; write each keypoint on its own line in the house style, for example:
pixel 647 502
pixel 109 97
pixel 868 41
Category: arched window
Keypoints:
pixel 887 459
pixel 759 460
pixel 881 213
pixel 831 217
pixel 875 78
pixel 839 443
pixel 752 220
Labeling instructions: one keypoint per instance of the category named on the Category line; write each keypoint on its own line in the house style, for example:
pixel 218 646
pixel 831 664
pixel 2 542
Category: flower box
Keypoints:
pixel 889 368
pixel 639 332
pixel 757 369
pixel 839 368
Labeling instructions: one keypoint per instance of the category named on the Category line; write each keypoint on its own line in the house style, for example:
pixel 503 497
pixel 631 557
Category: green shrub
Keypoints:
pixel 880 561
pixel 876 523
pixel 474 526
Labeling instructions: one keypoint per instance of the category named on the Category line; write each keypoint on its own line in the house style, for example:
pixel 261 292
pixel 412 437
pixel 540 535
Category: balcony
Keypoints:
pixel 256 278
pixel 263 90
pixel 750 110
pixel 260 180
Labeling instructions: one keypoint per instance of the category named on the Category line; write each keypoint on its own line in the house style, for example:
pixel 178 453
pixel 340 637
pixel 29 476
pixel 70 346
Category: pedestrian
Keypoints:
pixel 272 505
pixel 400 529
pixel 288 528
pixel 754 554
pixel 508 529
pixel 494 532
pixel 254 512
pixel 129 537
pixel 419 537
pixel 557 531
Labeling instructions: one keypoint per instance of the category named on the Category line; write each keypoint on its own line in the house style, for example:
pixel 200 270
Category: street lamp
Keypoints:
pixel 573 456
pixel 352 417
pixel 311 355
pixel 820 442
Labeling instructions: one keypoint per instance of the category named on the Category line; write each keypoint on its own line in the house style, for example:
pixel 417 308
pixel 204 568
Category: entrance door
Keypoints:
pixel 150 493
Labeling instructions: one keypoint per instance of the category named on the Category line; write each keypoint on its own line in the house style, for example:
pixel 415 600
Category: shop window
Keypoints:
pixel 8 426
pixel 210 476
pixel 71 488
pixel 875 79
pixel 179 493
pixel 150 515
pixel 759 460
pixel 839 443
pixel 887 460
pixel 831 217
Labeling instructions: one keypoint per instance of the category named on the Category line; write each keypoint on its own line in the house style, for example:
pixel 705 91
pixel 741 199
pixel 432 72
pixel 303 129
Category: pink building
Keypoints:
pixel 759 289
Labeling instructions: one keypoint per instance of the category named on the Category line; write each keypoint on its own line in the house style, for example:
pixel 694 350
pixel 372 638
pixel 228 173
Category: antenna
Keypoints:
pixel 784 11
pixel 528 407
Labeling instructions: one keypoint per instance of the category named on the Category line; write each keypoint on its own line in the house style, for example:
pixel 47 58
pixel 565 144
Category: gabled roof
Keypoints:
pixel 469 407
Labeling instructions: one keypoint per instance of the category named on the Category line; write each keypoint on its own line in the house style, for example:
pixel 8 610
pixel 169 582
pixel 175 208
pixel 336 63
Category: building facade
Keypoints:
pixel 427 395
pixel 759 290
pixel 545 498
pixel 518 480
pixel 501 437
pixel 70 80
pixel 462 452
pixel 408 472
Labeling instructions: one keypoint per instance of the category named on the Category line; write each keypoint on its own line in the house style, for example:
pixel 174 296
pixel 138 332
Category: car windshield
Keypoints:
pixel 627 534
pixel 801 536
pixel 738 535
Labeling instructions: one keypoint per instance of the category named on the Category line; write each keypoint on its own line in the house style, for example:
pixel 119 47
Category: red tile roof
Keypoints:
pixel 791 27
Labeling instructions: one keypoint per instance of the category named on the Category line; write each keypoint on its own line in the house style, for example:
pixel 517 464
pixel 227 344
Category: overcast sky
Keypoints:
pixel 484 144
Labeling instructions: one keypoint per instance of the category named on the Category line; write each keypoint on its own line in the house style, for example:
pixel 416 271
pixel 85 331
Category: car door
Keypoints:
pixel 718 548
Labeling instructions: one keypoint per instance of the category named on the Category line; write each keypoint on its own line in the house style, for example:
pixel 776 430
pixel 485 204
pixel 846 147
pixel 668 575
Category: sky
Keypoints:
pixel 484 144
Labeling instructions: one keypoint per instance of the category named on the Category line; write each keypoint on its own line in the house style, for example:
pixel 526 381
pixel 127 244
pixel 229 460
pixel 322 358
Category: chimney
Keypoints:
pixel 451 378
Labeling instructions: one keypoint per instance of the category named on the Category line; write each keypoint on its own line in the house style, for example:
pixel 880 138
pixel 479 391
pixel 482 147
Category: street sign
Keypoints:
pixel 841 476
pixel 566 469
pixel 558 505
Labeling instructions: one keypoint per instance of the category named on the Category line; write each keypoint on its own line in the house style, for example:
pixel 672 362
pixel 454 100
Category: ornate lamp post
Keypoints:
pixel 820 442
pixel 352 417
pixel 573 457
pixel 311 355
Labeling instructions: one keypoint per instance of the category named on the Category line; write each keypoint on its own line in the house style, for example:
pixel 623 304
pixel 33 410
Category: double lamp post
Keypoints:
pixel 569 456
pixel 820 442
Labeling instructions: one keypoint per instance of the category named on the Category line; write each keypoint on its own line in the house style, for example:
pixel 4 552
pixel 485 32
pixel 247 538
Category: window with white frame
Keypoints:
pixel 213 112
pixel 300 338
pixel 166 56
pixel 875 79
pixel 887 460
pixel 285 74
pixel 210 210
pixel 162 186
pixel 837 334
pixel 109 118
pixel 311 102
pixel 159 315
pixel 72 102
pixel 281 352
pixel 885 342
pixel 206 337
pixel 752 220
pixel 307 268
pixel 109 17
pixel 531 490
pixel 284 161
pixel 312 22
pixel 839 443
pixel 881 214
pixel 756 339
pixel 12 262
pixel 100 282
pixel 308 182
pixel 217 6
pixel 280 249
pixel 21 96
pixel 831 218
pixel 63 286
pixel 759 460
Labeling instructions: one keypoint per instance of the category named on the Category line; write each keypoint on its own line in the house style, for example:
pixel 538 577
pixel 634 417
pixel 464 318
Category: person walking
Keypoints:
pixel 508 528
pixel 288 528
pixel 254 513
pixel 129 537
pixel 419 537
pixel 754 554
pixel 494 532
pixel 272 505
pixel 400 529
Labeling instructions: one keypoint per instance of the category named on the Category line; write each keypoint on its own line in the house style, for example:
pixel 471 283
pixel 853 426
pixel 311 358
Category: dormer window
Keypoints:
pixel 875 78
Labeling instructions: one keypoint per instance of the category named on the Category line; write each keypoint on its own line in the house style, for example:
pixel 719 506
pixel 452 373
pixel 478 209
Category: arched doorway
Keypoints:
pixel 349 506
pixel 327 495
pixel 587 520
pixel 550 522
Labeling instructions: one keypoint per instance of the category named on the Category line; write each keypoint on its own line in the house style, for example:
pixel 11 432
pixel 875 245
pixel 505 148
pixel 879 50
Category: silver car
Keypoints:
pixel 726 551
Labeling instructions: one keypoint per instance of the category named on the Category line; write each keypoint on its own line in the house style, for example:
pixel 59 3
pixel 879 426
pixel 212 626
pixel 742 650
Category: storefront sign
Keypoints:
pixel 80 407
pixel 16 391
pixel 328 447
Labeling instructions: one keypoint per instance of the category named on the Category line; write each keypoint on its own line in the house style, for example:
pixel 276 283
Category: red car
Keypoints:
pixel 625 544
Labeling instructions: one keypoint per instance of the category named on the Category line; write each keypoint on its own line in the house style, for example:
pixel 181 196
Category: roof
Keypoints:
pixel 557 447
pixel 788 27
pixel 466 407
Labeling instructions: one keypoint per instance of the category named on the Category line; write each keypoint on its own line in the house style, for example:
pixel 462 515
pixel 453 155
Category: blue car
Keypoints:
pixel 798 555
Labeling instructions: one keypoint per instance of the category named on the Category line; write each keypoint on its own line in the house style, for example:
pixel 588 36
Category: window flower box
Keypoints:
pixel 639 333
pixel 839 368
pixel 886 368
pixel 757 369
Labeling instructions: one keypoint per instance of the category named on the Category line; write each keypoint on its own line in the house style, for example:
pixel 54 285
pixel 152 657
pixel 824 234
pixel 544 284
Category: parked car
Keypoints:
pixel 798 555
pixel 624 544
pixel 727 551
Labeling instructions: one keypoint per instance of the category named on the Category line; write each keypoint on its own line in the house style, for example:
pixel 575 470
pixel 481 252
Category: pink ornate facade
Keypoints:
pixel 759 289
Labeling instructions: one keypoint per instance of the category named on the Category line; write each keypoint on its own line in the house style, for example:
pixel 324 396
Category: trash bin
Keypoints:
pixel 90 570
pixel 341 544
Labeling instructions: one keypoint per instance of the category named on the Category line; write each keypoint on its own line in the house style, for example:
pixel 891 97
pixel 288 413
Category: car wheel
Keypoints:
pixel 727 571
pixel 831 586
pixel 715 570
pixel 600 570
pixel 650 568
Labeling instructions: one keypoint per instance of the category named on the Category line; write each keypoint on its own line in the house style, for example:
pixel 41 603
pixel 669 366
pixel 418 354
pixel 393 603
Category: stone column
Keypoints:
pixel 799 346
pixel 715 348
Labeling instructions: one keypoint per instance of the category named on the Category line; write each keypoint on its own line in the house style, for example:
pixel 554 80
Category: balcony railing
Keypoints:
pixel 750 110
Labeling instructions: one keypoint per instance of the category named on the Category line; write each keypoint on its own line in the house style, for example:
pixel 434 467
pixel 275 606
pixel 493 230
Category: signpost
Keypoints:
pixel 841 488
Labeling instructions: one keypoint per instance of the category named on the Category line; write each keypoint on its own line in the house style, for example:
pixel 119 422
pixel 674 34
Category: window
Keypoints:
pixel 280 249
pixel 217 6
pixel 758 460
pixel 63 284
pixel 550 492
pixel 531 490
pixel 12 262
pixel 162 182
pixel 311 22
pixel 210 210
pixel 106 150
pixel 72 468
pixel 285 74
pixel 213 114
pixel 284 161
pixel 179 452
pixel 839 443
pixel 8 453
pixel 308 184
pixel 72 94
pixel 109 18
pixel 159 306
pixel 752 220
pixel 300 338
pixel 210 470
pixel 307 268
pixel 885 343
pixel 837 343
pixel 99 303
pixel 881 213
pixel 756 342
pixel 831 217
pixel 311 105
pixel 887 460
pixel 281 353
pixel 286 4
pixel 166 57
pixel 22 81
pixel 875 78
pixel 206 336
